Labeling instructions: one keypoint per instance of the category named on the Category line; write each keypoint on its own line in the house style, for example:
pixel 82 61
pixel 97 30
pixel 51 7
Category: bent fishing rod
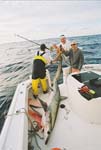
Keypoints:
pixel 36 44
pixel 29 40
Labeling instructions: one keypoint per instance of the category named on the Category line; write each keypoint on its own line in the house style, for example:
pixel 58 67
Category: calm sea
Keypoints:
pixel 16 64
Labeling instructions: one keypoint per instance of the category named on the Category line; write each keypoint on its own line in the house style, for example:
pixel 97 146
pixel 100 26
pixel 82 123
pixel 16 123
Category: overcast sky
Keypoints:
pixel 47 19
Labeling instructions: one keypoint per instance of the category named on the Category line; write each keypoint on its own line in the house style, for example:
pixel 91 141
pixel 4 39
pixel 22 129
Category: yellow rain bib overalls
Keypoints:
pixel 39 73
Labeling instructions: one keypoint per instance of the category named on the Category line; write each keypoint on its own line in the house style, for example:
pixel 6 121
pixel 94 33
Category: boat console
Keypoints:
pixel 92 81
pixel 84 90
pixel 86 76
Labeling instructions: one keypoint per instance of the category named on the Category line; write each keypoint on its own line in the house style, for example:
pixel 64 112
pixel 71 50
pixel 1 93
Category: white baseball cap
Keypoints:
pixel 62 36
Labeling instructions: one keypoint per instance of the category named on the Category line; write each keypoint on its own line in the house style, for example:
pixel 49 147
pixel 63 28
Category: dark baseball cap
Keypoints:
pixel 43 47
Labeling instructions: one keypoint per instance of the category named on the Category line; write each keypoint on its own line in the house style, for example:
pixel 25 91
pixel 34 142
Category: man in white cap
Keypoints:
pixel 64 45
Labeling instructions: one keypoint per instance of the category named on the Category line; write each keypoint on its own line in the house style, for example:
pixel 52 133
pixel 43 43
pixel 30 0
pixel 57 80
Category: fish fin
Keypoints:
pixel 33 106
pixel 46 140
pixel 44 104
pixel 63 98
pixel 33 109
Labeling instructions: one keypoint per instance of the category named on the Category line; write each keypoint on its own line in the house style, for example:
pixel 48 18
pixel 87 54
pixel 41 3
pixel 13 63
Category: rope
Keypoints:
pixel 34 129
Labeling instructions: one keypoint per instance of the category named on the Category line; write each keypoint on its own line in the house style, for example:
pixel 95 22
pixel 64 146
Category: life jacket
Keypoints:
pixel 39 70
pixel 40 57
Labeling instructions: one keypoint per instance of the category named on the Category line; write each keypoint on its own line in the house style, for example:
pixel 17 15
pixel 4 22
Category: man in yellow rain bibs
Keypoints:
pixel 39 70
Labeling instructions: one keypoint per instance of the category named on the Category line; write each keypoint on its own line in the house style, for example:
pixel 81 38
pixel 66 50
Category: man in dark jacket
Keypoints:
pixel 76 57
pixel 39 70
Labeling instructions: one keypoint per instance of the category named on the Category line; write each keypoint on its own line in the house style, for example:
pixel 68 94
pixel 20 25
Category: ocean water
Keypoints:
pixel 16 64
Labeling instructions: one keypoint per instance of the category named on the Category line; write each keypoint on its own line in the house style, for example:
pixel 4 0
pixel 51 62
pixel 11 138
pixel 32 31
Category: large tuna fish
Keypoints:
pixel 51 111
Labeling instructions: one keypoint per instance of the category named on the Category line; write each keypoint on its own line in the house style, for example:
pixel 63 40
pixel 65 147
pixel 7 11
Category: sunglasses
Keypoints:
pixel 73 44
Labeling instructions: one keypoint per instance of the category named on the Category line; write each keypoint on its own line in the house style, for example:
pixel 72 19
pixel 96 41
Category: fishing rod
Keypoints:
pixel 29 40
pixel 39 45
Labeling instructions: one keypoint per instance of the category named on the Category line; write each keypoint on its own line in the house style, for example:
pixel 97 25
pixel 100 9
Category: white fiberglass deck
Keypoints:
pixel 72 132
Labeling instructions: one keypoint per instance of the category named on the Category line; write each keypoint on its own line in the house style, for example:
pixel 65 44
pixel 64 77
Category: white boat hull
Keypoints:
pixel 14 135
pixel 75 127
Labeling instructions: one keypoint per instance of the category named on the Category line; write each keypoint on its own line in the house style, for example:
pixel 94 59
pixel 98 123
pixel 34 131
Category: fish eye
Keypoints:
pixel 62 106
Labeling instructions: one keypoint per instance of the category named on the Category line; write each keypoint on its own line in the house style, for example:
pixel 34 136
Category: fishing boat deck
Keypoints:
pixel 71 132
pixel 77 126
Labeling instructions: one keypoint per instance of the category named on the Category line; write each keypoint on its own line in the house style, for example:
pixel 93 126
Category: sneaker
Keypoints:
pixel 35 96
pixel 45 91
